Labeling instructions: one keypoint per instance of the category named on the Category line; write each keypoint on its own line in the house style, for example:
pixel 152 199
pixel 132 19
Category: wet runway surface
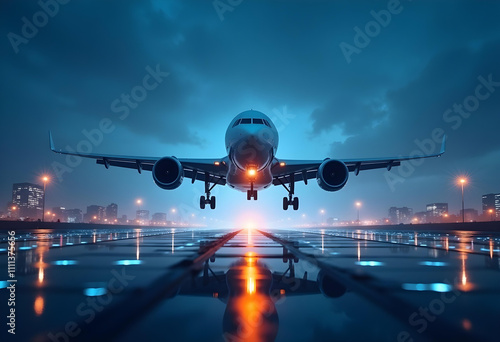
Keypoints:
pixel 252 285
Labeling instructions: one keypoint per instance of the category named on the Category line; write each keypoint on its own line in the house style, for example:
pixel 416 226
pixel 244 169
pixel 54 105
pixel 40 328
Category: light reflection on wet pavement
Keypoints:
pixel 270 285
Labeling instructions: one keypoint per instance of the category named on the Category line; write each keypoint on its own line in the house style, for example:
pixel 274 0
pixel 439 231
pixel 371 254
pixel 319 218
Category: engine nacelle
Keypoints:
pixel 329 286
pixel 332 175
pixel 168 173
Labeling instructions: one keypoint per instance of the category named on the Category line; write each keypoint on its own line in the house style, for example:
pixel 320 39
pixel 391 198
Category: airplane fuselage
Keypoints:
pixel 251 144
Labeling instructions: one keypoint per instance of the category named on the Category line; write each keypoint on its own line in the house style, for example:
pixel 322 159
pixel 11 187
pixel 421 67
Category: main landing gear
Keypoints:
pixel 290 201
pixel 251 193
pixel 208 199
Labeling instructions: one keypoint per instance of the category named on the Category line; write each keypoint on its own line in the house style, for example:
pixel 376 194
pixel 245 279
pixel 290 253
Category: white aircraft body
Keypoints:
pixel 250 165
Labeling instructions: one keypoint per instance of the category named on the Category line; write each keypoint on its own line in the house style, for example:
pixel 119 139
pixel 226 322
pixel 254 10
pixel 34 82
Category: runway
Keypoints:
pixel 252 285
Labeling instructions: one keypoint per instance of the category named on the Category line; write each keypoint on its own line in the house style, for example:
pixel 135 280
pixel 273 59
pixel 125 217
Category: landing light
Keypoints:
pixel 282 163
pixel 251 172
pixel 216 163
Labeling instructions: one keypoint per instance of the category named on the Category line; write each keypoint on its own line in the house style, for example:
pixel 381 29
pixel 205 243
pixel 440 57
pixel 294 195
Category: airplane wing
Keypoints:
pixel 216 285
pixel 285 170
pixel 195 169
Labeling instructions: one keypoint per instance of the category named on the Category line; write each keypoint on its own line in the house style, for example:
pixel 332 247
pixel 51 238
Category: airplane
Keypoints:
pixel 251 164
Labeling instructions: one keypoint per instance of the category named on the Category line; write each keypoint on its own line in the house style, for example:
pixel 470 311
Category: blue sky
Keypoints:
pixel 284 58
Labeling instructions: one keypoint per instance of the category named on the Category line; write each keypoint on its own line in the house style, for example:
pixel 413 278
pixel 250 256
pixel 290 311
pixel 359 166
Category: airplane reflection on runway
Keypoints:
pixel 251 291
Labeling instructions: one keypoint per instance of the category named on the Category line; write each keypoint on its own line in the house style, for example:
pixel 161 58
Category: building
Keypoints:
pixel 497 205
pixel 95 213
pixel 436 210
pixel 112 212
pixel 73 215
pixel 400 215
pixel 491 201
pixel 123 219
pixel 27 198
pixel 56 214
pixel 470 215
pixel 159 219
pixel 420 217
pixel 142 216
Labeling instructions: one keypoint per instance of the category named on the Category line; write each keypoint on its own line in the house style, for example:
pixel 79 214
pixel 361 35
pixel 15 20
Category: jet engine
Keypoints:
pixel 329 286
pixel 168 173
pixel 332 175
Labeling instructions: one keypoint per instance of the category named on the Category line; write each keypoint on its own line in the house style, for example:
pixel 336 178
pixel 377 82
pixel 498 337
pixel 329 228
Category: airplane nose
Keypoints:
pixel 252 151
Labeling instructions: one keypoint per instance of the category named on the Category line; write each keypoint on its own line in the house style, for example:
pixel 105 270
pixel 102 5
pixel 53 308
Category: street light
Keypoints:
pixel 139 202
pixel 322 212
pixel 462 182
pixel 491 214
pixel 45 179
pixel 358 205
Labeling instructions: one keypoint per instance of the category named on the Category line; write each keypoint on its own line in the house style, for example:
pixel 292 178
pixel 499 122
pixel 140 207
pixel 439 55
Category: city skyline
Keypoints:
pixel 394 96
pixel 434 212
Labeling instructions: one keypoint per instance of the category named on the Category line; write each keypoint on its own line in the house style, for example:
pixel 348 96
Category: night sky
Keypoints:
pixel 336 82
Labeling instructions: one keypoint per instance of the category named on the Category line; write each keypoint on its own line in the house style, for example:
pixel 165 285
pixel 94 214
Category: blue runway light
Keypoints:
pixel 440 287
pixel 95 291
pixel 3 249
pixel 369 263
pixel 414 287
pixel 3 284
pixel 436 287
pixel 65 262
pixel 433 263
pixel 128 262
pixel 56 245
pixel 24 248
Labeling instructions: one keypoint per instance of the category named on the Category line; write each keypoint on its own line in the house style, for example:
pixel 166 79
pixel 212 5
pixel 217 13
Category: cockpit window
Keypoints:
pixel 258 121
pixel 246 121
pixel 267 123
pixel 236 123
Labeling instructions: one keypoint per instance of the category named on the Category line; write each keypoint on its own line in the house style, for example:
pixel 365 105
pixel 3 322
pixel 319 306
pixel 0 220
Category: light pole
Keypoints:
pixel 491 214
pixel 322 212
pixel 462 182
pixel 358 205
pixel 45 179
pixel 137 216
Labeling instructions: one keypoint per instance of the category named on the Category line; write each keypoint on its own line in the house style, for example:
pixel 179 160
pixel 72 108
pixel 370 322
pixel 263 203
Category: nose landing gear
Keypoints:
pixel 251 193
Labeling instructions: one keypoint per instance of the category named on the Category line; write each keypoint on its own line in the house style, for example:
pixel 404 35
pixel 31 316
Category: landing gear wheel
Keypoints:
pixel 202 202
pixel 296 203
pixel 285 203
pixel 212 202
pixel 249 195
pixel 255 195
